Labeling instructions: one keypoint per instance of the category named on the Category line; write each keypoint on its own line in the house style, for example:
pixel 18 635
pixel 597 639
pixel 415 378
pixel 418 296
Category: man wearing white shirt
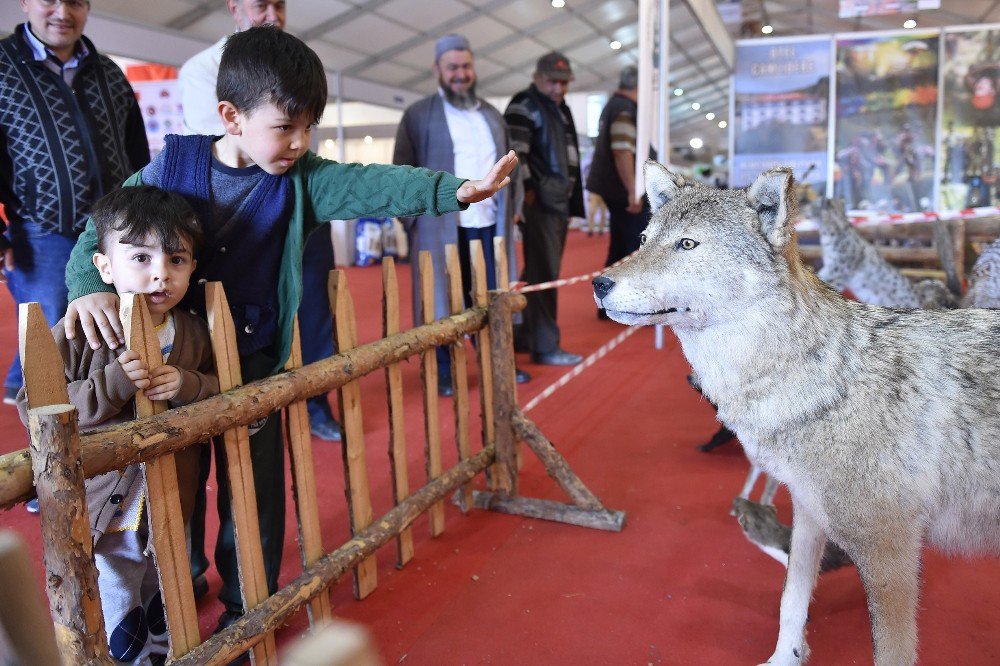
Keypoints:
pixel 454 130
pixel 198 75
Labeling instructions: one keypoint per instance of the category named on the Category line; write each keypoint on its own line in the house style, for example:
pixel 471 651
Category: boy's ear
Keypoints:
pixel 230 118
pixel 103 264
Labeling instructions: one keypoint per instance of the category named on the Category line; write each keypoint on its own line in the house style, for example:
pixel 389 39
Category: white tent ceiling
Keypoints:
pixel 384 48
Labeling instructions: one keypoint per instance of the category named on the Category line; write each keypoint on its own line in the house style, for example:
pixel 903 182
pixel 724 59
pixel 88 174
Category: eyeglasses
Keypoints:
pixel 75 5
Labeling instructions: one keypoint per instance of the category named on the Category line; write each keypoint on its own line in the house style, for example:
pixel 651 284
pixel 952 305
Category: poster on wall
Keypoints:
pixel 781 99
pixel 970 118
pixel 885 121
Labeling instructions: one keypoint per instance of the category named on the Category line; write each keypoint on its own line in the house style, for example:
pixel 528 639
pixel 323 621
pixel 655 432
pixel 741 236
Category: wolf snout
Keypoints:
pixel 603 286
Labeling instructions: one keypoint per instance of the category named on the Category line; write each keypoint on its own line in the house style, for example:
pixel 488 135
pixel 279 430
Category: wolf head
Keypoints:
pixel 707 255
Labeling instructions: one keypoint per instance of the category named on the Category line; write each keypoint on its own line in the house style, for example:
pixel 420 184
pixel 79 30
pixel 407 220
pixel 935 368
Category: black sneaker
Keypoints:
pixel 200 585
pixel 10 395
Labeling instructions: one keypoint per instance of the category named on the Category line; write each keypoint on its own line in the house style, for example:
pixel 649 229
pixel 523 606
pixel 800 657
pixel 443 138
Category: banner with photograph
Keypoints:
pixel 781 100
pixel 970 119
pixel 887 92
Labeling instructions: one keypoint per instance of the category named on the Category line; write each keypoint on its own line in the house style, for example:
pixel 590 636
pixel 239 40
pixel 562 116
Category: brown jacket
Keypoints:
pixel 103 395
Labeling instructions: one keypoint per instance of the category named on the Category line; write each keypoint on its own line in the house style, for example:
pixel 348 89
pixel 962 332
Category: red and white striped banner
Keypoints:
pixel 575 372
pixel 907 218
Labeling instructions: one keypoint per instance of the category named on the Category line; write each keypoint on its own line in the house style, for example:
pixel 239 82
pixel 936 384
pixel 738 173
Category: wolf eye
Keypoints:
pixel 642 239
pixel 687 244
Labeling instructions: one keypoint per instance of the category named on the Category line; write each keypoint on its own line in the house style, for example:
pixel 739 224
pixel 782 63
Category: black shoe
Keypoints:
pixel 32 505
pixel 520 376
pixel 10 395
pixel 200 585
pixel 445 389
pixel 325 427
pixel 602 314
pixel 557 357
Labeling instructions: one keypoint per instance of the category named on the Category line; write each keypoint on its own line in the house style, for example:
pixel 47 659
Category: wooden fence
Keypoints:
pixel 60 458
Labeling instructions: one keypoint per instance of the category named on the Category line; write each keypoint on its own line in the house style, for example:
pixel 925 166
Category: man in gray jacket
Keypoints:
pixel 454 130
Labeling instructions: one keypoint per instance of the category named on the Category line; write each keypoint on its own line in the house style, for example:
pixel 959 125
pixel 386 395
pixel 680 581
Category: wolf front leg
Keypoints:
pixel 803 567
pixel 889 565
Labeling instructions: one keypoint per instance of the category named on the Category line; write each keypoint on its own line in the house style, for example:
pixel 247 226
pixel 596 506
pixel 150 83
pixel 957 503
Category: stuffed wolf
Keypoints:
pixel 883 423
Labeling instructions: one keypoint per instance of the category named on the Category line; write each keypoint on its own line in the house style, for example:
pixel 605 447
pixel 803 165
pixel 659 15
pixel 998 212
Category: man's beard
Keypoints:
pixel 466 100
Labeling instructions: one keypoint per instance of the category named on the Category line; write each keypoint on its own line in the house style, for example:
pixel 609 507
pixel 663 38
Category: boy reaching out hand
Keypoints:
pixel 258 192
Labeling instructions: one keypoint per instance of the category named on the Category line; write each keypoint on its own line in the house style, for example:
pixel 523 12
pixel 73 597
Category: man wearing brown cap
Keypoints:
pixel 455 130
pixel 544 137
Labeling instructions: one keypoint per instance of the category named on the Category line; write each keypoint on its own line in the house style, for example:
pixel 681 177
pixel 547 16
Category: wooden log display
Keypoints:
pixel 114 447
pixel 429 375
pixel 355 463
pixel 394 395
pixel 71 579
pixel 276 609
pixel 483 346
pixel 24 619
pixel 459 370
pixel 239 469
pixel 166 520
pixel 505 479
pixel 554 463
pixel 299 440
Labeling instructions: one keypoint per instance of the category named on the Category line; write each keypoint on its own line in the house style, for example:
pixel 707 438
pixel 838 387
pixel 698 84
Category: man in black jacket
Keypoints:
pixel 612 171
pixel 70 131
pixel 544 137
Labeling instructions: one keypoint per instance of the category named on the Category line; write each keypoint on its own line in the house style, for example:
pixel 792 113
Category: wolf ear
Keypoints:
pixel 773 197
pixel 662 185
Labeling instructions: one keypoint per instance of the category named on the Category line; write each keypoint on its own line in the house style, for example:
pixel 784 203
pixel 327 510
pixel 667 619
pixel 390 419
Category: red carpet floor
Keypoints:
pixel 679 585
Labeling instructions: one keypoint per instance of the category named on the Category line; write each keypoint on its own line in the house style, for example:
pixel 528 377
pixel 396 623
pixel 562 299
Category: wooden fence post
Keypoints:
pixel 166 520
pixel 429 373
pixel 299 441
pixel 480 299
pixel 459 370
pixel 355 462
pixel 504 400
pixel 394 395
pixel 239 469
pixel 57 469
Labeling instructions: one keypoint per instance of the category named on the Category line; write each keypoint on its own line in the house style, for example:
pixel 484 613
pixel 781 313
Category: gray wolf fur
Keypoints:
pixel 851 262
pixel 882 422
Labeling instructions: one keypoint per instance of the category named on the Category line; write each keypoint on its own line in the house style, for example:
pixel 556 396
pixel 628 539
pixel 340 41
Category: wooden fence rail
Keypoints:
pixel 63 458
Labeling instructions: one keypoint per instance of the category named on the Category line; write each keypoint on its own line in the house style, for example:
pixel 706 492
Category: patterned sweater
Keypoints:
pixel 62 147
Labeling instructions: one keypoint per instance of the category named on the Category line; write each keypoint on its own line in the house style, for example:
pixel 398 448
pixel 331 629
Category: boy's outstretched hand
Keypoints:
pixel 98 315
pixel 498 178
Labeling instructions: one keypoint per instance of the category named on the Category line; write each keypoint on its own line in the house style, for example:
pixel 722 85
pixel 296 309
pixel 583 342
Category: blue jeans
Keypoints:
pixel 39 275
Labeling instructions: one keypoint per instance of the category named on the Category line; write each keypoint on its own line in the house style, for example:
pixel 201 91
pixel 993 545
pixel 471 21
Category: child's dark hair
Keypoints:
pixel 265 65
pixel 138 212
